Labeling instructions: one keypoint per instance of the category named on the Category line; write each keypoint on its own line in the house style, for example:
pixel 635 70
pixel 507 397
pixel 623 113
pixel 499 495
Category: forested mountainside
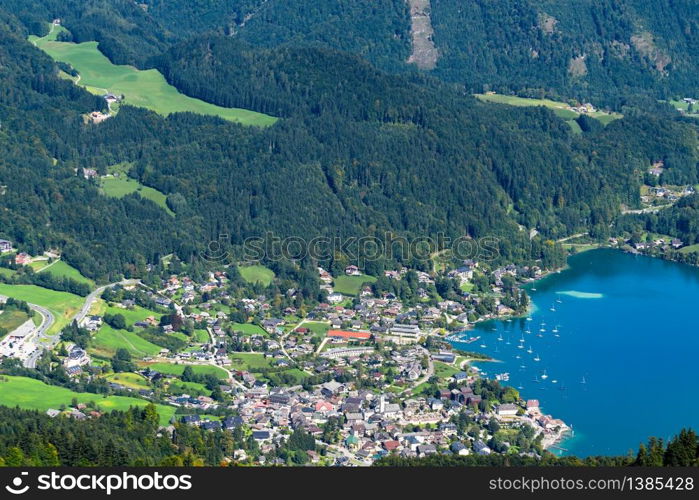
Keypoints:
pixel 358 151
pixel 602 51
pixel 599 50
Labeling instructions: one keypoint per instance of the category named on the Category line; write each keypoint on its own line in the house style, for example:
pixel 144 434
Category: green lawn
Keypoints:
pixel 142 88
pixel 690 249
pixel 12 319
pixel 7 273
pixel 133 314
pixel 173 369
pixel 118 187
pixel 254 274
pixel 351 285
pixel 108 340
pixel 248 361
pixel 201 336
pixel 64 270
pixel 318 328
pixel 248 329
pixel 192 388
pixel 443 370
pixel 35 395
pixel 130 380
pixel 560 108
pixel 63 305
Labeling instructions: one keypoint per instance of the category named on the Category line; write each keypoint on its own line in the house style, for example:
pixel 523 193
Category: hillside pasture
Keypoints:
pixel 33 394
pixel 143 88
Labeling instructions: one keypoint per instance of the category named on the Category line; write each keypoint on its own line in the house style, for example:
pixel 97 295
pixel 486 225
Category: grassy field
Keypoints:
pixel 11 319
pixel 173 369
pixel 250 361
pixel 254 274
pixel 443 370
pixel 133 314
pixel 560 108
pixel 108 340
pixel 142 88
pixel 63 305
pixel 130 380
pixel 685 107
pixel 318 328
pixel 118 187
pixel 64 270
pixel 35 395
pixel 690 249
pixel 249 329
pixel 7 273
pixel 351 285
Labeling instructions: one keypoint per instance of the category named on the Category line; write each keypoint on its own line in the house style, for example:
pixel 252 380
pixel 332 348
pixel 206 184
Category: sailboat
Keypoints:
pixel 583 380
pixel 559 300
pixel 554 381
pixel 508 340
pixel 553 308
pixel 530 350
pixel 529 319
pixel 544 375
pixel 500 337
pixel 521 340
pixel 528 330
pixel 555 329
pixel 537 358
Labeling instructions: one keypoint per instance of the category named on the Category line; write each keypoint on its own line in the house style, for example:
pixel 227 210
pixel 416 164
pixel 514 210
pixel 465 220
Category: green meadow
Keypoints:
pixel 108 340
pixel 33 394
pixel 12 319
pixel 177 370
pixel 351 285
pixel 143 88
pixel 63 305
pixel 248 329
pixel 255 274
pixel 133 314
pixel 250 361
pixel 64 270
pixel 118 187
pixel 130 380
pixel 559 108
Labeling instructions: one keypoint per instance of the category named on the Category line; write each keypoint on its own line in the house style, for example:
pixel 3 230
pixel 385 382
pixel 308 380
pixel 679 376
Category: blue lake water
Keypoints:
pixel 624 360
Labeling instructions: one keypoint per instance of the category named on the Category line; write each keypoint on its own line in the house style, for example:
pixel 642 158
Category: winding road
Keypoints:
pixel 41 337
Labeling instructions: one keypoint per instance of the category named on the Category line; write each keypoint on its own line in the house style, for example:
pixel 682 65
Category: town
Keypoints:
pixel 365 372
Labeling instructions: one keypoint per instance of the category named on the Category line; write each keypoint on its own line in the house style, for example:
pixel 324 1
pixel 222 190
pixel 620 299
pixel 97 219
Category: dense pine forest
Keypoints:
pixel 358 151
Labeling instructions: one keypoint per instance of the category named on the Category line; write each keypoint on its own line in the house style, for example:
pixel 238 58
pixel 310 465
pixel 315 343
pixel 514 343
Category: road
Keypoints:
pixel 96 294
pixel 41 337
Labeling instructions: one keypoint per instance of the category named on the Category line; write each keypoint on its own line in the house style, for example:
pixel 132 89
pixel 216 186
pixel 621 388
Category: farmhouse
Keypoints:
pixel 5 246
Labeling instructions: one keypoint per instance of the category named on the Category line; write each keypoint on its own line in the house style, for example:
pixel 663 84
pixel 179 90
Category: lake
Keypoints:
pixel 622 365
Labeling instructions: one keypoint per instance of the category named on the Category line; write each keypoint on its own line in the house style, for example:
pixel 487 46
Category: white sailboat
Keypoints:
pixel 544 375
pixel 530 350
pixel 537 358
